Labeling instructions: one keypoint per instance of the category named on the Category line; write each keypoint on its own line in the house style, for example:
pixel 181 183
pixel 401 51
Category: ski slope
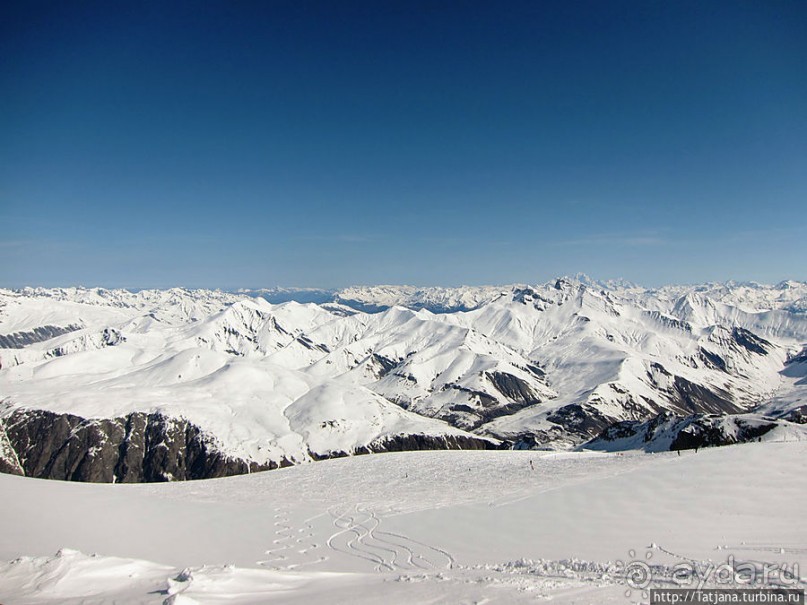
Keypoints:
pixel 463 527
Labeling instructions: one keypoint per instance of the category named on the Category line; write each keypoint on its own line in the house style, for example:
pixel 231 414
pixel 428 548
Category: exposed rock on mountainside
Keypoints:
pixel 151 448
pixel 414 443
pixel 137 448
pixel 669 432
pixel 18 340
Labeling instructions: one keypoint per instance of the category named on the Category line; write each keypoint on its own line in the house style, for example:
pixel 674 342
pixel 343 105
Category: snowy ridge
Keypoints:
pixel 668 432
pixel 372 299
pixel 789 295
pixel 443 300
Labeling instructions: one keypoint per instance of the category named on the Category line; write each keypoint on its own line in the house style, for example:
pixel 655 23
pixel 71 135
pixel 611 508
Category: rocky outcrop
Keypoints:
pixel 139 447
pixel 796 415
pixel 800 357
pixel 487 407
pixel 750 341
pixel 385 365
pixel 406 443
pixel 695 398
pixel 416 442
pixel 18 340
pixel 583 420
pixel 669 432
pixel 712 434
pixel 513 388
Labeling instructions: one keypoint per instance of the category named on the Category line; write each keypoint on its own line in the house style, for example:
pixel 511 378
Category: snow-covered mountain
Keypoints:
pixel 112 385
pixel 788 295
pixel 378 298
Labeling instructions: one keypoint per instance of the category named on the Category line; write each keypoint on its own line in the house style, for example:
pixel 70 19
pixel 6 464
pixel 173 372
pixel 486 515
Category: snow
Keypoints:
pixel 447 526
pixel 289 380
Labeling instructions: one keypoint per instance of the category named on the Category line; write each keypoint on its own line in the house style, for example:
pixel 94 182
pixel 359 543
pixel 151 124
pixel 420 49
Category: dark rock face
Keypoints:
pixel 412 443
pixel 697 399
pixel 111 337
pixel 668 322
pixel 513 388
pixel 712 360
pixel 797 415
pixel 485 400
pixel 708 434
pixel 18 340
pixel 386 364
pixel 800 357
pixel 750 341
pixel 309 344
pixel 9 468
pixel 517 393
pixel 683 396
pixel 668 431
pixel 406 443
pixel 579 419
pixel 142 447
pixel 136 448
pixel 538 440
pixel 571 424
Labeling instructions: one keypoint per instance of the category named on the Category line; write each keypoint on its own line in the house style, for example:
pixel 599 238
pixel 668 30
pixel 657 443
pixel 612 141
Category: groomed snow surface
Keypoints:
pixel 418 527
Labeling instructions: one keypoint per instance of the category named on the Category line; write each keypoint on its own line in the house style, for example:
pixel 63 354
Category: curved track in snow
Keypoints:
pixel 359 536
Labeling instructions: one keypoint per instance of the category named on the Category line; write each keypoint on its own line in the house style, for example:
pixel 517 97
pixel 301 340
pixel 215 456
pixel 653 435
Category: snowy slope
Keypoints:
pixel 435 527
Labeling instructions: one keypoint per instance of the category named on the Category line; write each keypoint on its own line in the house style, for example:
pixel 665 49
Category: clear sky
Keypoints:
pixel 247 144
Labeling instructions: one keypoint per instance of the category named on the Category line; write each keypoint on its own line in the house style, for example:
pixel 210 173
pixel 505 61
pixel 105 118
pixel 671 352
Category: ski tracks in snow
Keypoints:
pixel 290 545
pixel 358 535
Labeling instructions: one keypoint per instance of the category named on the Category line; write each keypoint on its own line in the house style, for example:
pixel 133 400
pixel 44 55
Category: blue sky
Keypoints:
pixel 247 144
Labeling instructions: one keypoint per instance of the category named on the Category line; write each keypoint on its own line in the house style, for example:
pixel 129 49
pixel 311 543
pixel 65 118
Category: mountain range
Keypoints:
pixel 155 385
